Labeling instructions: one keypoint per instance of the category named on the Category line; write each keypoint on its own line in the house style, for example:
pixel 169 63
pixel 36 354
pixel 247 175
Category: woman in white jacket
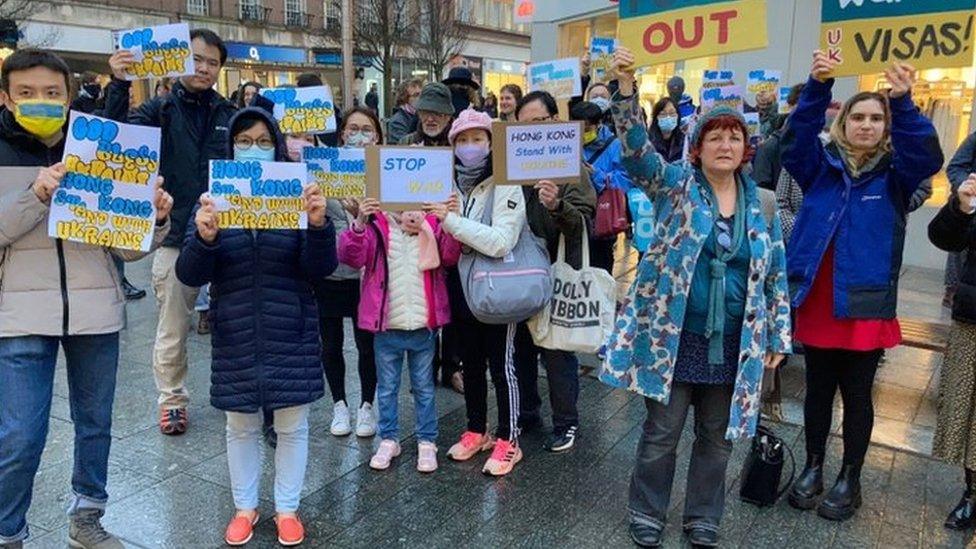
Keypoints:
pixel 486 346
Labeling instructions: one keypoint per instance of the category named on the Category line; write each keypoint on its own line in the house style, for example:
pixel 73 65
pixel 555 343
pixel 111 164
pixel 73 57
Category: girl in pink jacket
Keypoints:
pixel 403 301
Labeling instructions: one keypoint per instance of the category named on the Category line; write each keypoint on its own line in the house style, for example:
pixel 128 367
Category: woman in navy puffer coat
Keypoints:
pixel 266 348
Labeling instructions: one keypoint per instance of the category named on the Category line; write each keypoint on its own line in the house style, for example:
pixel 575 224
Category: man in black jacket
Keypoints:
pixel 193 119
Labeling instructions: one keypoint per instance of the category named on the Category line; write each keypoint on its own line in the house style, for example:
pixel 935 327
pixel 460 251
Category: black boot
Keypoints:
pixel 963 517
pixel 845 497
pixel 805 490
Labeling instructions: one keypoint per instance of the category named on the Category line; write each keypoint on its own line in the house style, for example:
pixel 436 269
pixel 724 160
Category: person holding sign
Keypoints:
pixel 194 120
pixel 485 346
pixel 55 293
pixel 845 257
pixel 707 315
pixel 266 350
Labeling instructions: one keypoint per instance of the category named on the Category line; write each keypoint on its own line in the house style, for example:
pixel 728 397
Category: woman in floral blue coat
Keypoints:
pixel 707 314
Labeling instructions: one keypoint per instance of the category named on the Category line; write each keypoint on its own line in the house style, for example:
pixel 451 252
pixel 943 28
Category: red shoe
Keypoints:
pixel 240 530
pixel 173 421
pixel 290 530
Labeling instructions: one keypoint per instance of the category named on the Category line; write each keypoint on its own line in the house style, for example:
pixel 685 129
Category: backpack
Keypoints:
pixel 505 290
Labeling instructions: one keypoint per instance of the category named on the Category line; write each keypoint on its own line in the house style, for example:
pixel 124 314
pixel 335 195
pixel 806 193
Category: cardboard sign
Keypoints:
pixel 107 195
pixel 727 96
pixel 661 32
pixel 601 57
pixel 867 37
pixel 303 110
pixel 763 81
pixel 783 100
pixel 561 77
pixel 528 152
pixel 403 178
pixel 341 173
pixel 159 51
pixel 251 194
pixel 717 79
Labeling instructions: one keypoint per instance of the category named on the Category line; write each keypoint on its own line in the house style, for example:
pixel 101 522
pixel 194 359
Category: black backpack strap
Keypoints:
pixel 596 156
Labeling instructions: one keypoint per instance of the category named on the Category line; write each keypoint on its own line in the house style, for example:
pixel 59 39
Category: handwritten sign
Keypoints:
pixel 763 81
pixel 717 79
pixel 601 56
pixel 252 194
pixel 107 195
pixel 866 37
pixel 403 178
pixel 527 152
pixel 303 110
pixel 561 77
pixel 340 172
pixel 159 51
pixel 661 32
pixel 727 96
pixel 783 100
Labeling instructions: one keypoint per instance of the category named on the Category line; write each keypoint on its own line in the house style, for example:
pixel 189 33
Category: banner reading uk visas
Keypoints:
pixel 662 31
pixel 865 36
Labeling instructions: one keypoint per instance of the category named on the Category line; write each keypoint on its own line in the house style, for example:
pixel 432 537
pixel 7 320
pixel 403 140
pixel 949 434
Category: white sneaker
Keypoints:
pixel 340 419
pixel 388 450
pixel 426 457
pixel 366 421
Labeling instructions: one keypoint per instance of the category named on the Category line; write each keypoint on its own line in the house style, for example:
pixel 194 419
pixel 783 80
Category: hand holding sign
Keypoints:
pixel 367 207
pixel 48 180
pixel 901 76
pixel 823 66
pixel 623 65
pixel 206 219
pixel 548 194
pixel 441 209
pixel 314 204
pixel 967 195
pixel 163 201
pixel 120 63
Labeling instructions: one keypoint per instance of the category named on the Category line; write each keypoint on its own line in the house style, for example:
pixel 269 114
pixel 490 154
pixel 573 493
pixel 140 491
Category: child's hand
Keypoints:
pixel 367 207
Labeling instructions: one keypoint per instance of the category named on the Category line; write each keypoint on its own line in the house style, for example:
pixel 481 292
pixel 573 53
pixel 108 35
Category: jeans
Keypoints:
pixel 853 372
pixel 419 346
pixel 27 366
pixel 202 303
pixel 332 330
pixel 650 485
pixel 175 301
pixel 290 457
pixel 562 372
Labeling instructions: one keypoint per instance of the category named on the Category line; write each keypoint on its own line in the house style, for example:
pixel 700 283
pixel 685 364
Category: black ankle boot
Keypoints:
pixel 803 494
pixel 845 497
pixel 963 517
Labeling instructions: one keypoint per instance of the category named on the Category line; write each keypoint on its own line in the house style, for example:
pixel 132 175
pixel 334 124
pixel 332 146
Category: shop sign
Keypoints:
pixel 259 53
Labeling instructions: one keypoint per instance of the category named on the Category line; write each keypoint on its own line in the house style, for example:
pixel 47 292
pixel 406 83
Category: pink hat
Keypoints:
pixel 467 120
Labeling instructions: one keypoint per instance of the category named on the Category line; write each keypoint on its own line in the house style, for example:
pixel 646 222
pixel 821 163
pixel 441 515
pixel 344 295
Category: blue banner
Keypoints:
pixel 259 53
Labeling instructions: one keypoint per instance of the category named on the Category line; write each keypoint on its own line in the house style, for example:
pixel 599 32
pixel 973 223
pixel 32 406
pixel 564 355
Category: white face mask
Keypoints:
pixel 471 154
pixel 359 139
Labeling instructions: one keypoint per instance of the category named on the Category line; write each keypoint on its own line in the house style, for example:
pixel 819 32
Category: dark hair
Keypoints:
pixel 547 100
pixel 659 107
pixel 28 58
pixel 308 79
pixel 88 77
pixel 596 85
pixel 794 96
pixel 210 38
pixel 368 113
pixel 403 91
pixel 247 121
pixel 240 92
pixel 722 122
pixel 513 89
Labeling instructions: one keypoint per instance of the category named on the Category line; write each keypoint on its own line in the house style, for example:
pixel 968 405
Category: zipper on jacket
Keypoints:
pixel 62 271
pixel 256 301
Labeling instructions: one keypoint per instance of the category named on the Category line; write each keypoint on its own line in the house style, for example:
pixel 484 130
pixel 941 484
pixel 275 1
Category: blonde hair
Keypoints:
pixel 855 160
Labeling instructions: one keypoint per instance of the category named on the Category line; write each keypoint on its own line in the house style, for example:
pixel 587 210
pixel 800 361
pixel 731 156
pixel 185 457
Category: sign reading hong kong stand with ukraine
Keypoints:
pixel 866 36
pixel 661 31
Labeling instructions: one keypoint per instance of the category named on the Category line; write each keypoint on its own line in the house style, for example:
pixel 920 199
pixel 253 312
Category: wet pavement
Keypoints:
pixel 173 492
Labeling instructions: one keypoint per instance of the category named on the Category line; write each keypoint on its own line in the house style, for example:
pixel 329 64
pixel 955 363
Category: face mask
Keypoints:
pixel 471 155
pixel 253 153
pixel 40 117
pixel 295 147
pixel 359 140
pixel 667 123
pixel 589 137
pixel 93 90
pixel 601 102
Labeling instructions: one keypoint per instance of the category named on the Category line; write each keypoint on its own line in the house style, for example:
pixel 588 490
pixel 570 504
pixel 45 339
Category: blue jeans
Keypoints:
pixel 27 367
pixel 389 347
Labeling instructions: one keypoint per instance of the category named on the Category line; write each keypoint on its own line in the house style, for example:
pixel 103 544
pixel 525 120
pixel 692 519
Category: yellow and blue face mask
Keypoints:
pixel 590 136
pixel 41 117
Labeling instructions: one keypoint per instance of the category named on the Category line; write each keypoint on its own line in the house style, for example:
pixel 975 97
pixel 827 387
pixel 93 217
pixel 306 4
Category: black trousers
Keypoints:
pixel 489 347
pixel 334 362
pixel 601 253
pixel 853 373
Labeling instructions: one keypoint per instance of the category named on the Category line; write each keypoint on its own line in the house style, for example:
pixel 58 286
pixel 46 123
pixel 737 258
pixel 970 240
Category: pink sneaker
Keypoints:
pixel 388 450
pixel 426 457
pixel 471 443
pixel 503 458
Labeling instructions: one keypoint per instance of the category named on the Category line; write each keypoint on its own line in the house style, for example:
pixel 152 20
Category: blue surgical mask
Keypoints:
pixel 601 102
pixel 667 123
pixel 254 153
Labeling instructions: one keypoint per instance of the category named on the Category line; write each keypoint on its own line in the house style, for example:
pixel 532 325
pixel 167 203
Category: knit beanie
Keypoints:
pixel 704 119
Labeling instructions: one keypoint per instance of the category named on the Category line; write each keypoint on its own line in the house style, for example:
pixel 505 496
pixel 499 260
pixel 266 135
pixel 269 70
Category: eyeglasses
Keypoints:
pixel 366 130
pixel 244 142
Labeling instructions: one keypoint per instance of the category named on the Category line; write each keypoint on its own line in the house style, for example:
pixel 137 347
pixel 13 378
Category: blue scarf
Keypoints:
pixel 715 323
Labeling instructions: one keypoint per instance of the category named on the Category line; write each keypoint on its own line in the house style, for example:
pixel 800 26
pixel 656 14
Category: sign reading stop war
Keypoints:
pixel 404 178
pixel 252 194
pixel 661 31
pixel 868 36
pixel 527 152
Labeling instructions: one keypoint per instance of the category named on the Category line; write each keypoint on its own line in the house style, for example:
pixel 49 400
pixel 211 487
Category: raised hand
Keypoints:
pixel 119 62
pixel 623 67
pixel 901 76
pixel 367 207
pixel 823 66
pixel 163 201
pixel 47 182
pixel 314 203
pixel 206 220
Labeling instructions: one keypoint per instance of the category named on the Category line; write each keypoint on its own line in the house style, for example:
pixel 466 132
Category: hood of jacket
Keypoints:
pixel 281 148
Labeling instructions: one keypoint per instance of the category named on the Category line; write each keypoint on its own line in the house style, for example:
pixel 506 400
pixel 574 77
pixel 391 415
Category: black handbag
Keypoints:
pixel 763 469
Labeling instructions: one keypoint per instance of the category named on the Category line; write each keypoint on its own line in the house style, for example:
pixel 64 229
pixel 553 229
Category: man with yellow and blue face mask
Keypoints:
pixel 53 294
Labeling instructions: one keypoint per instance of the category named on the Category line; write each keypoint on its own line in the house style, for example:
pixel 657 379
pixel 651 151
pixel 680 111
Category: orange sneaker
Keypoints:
pixel 240 530
pixel 471 444
pixel 503 458
pixel 290 530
